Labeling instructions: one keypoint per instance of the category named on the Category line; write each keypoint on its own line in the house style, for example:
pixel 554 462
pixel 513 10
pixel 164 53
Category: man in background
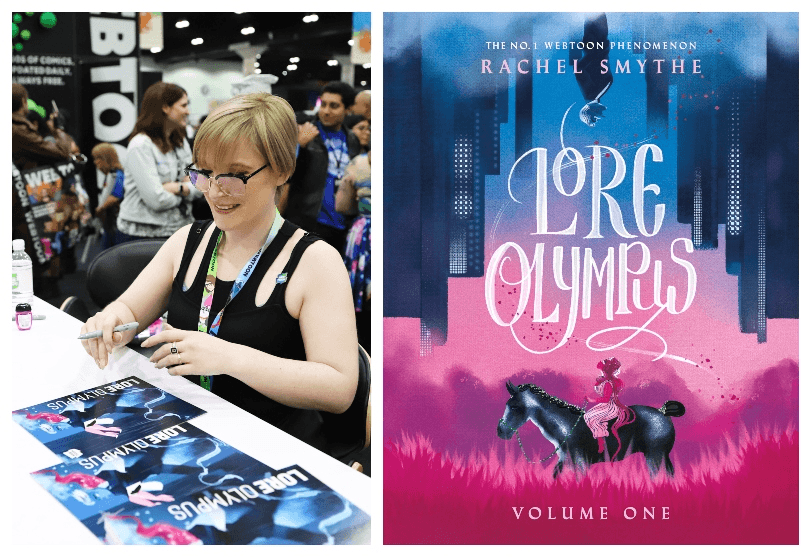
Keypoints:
pixel 362 105
pixel 326 146
pixel 28 148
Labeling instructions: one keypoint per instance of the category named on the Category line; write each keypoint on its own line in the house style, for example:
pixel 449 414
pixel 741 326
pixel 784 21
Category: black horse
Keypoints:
pixel 651 433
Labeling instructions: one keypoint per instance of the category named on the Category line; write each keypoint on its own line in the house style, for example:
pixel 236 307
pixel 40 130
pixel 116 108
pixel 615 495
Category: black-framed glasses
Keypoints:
pixel 234 185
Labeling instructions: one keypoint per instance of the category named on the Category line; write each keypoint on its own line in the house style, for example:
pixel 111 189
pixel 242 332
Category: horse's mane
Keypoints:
pixel 543 394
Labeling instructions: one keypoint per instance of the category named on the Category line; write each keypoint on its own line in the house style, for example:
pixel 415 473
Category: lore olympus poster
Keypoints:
pixel 591 257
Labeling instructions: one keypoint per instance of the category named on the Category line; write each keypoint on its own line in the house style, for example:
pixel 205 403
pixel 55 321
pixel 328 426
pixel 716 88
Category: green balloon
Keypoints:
pixel 14 30
pixel 17 18
pixel 18 47
pixel 26 35
pixel 47 19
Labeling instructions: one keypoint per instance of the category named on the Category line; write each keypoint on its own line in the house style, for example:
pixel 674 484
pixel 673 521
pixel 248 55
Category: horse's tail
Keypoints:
pixel 626 416
pixel 672 408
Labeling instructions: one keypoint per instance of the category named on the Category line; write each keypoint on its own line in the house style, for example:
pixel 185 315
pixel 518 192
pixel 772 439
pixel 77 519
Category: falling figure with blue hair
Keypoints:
pixel 592 81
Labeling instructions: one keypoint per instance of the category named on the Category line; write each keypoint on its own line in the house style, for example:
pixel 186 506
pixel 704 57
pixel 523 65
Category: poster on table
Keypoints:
pixel 105 420
pixel 192 488
pixel 591 300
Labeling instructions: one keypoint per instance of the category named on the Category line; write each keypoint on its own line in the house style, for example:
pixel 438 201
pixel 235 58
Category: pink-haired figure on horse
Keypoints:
pixel 608 388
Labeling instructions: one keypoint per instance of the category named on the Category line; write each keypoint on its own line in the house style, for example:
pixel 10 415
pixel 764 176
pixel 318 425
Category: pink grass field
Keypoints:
pixel 740 490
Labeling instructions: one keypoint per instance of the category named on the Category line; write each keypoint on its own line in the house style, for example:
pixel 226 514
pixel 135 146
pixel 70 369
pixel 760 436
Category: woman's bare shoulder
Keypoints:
pixel 320 271
pixel 322 257
pixel 174 246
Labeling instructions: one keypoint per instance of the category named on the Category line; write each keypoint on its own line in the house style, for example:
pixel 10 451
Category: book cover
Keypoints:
pixel 191 488
pixel 591 256
pixel 105 418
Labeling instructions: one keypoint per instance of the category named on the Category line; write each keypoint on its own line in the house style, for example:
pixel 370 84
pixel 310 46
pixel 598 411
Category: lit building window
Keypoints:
pixel 761 275
pixel 462 204
pixel 734 169
pixel 426 347
pixel 698 215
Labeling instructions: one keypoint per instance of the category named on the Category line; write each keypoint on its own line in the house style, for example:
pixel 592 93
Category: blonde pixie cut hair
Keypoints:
pixel 265 120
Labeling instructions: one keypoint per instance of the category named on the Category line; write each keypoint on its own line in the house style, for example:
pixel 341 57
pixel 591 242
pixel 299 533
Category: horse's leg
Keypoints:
pixel 654 462
pixel 669 466
pixel 557 469
pixel 581 464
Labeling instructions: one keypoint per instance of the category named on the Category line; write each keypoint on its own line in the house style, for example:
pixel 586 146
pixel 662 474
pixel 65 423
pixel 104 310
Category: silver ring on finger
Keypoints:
pixel 173 349
pixel 179 361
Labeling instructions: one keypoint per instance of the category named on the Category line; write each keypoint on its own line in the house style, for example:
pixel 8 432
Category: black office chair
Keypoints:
pixel 115 269
pixel 76 307
pixel 350 432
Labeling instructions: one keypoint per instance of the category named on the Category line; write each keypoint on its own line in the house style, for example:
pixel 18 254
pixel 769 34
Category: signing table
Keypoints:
pixel 48 362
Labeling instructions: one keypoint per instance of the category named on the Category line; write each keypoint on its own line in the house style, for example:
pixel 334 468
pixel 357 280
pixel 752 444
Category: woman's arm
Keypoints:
pixel 142 167
pixel 329 377
pixel 109 201
pixel 603 390
pixel 144 301
pixel 326 381
pixel 184 182
pixel 346 197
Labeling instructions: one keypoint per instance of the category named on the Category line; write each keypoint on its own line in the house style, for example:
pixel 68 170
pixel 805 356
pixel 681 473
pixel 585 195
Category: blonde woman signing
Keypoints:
pixel 262 312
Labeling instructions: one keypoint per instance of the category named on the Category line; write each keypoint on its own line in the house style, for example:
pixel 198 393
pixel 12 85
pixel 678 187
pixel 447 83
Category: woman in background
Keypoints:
pixel 362 128
pixel 106 160
pixel 157 196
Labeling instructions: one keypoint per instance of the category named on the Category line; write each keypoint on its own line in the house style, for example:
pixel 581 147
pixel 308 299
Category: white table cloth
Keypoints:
pixel 49 362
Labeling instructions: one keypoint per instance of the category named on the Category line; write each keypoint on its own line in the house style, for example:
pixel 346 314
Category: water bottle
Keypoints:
pixel 22 277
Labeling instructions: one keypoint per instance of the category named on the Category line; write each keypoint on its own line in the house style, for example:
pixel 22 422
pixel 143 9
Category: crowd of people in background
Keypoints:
pixel 148 194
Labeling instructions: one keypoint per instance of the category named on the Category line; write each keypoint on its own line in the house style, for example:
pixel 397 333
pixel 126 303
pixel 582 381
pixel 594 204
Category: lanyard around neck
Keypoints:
pixel 337 151
pixel 239 283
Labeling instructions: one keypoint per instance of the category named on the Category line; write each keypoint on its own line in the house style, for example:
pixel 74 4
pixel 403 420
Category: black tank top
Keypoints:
pixel 269 328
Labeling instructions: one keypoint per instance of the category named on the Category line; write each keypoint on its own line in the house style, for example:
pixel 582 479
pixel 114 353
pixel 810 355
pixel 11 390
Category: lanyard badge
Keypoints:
pixel 242 278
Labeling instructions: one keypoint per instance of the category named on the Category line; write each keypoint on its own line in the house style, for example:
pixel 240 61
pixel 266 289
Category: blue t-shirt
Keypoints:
pixel 335 142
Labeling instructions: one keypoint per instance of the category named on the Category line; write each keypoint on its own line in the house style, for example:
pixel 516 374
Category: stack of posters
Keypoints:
pixel 135 472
